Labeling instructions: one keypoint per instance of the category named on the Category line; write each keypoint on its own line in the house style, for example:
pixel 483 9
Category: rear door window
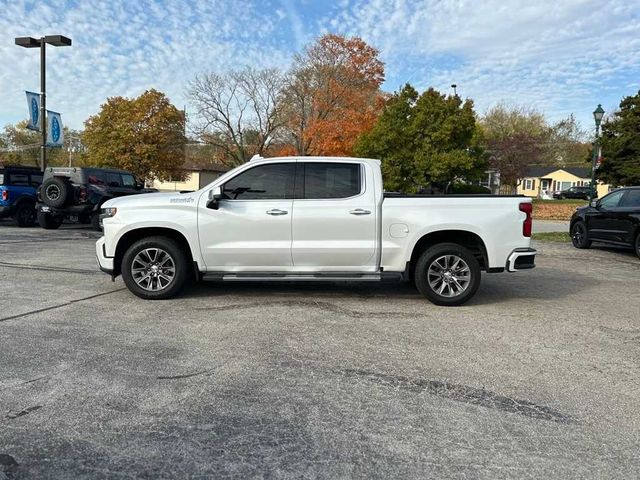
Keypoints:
pixel 631 199
pixel 19 179
pixel 331 180
pixel 114 180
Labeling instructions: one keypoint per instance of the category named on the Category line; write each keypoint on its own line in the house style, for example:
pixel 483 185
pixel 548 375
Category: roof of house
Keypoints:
pixel 537 171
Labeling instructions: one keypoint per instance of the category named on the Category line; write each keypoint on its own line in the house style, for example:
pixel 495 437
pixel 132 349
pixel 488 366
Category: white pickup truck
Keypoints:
pixel 312 218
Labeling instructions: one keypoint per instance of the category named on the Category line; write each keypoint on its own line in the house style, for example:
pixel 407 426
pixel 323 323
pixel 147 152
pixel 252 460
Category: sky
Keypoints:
pixel 556 56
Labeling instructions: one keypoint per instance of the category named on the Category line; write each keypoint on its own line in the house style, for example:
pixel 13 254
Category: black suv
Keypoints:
pixel 78 193
pixel 575 192
pixel 614 219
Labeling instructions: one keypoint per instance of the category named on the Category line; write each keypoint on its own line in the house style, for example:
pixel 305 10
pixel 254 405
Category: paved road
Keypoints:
pixel 536 378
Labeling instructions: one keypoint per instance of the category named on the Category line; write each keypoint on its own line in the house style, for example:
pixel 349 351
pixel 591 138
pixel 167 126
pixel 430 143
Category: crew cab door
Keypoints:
pixel 251 228
pixel 606 221
pixel 334 217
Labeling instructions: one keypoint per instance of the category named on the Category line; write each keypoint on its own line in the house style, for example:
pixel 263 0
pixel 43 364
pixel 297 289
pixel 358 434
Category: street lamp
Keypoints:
pixel 454 86
pixel 598 113
pixel 30 42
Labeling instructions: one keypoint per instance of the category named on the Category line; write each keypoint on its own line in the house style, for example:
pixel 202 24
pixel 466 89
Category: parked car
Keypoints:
pixel 18 186
pixel 313 218
pixel 78 193
pixel 582 193
pixel 614 219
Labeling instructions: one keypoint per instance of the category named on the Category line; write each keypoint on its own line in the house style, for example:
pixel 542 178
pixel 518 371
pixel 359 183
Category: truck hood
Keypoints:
pixel 152 200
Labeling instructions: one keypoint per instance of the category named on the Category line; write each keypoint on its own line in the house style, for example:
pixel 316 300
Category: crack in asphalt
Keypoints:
pixel 45 268
pixel 462 393
pixel 22 413
pixel 186 375
pixel 323 306
pixel 53 307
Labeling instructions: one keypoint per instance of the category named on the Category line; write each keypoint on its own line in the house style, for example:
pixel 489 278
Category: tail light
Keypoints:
pixel 528 222
pixel 5 195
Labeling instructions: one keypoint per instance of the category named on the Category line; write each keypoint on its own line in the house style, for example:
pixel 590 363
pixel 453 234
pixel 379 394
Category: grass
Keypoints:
pixel 571 201
pixel 551 237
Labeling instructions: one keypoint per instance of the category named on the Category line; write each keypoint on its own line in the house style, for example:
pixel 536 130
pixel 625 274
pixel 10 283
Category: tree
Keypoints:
pixel 620 144
pixel 515 138
pixel 424 139
pixel 333 95
pixel 566 143
pixel 239 113
pixel 19 145
pixel 144 135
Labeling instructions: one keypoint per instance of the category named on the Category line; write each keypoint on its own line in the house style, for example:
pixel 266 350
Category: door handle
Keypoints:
pixel 360 211
pixel 276 212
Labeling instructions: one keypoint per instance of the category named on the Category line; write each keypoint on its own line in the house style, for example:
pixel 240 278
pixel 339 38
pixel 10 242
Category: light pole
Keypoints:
pixel 30 42
pixel 454 86
pixel 598 113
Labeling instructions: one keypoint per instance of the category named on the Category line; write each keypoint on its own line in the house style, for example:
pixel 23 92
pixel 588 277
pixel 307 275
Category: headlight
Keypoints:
pixel 108 212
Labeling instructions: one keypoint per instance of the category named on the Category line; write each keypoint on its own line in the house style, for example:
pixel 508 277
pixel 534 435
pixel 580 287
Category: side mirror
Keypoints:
pixel 139 185
pixel 594 203
pixel 215 194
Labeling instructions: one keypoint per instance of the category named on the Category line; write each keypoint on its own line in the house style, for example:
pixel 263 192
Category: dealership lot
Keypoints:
pixel 536 377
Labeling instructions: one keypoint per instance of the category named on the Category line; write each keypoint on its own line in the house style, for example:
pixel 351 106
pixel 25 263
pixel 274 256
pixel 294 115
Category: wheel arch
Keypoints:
pixel 465 238
pixel 132 236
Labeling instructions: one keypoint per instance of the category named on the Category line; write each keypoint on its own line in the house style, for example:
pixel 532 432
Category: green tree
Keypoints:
pixel 620 144
pixel 424 139
pixel 144 135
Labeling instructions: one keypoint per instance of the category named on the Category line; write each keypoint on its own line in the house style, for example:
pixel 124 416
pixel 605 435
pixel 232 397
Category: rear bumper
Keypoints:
pixel 6 211
pixel 70 210
pixel 105 263
pixel 521 259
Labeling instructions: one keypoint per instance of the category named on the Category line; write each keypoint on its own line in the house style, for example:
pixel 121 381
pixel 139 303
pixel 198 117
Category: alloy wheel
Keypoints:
pixel 153 269
pixel 449 276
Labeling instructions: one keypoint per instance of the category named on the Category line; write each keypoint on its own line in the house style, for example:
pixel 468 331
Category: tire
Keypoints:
pixel 638 244
pixel 435 276
pixel 55 192
pixel 579 235
pixel 95 222
pixel 145 281
pixel 48 221
pixel 25 215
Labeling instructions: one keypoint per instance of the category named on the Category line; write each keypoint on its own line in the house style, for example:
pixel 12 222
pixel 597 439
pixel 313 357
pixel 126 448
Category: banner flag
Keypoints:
pixel 33 102
pixel 55 136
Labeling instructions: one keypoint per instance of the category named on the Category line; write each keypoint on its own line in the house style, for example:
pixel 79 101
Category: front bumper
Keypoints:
pixel 105 263
pixel 521 259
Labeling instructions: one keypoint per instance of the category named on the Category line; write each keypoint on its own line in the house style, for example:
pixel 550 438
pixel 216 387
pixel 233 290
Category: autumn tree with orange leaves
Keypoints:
pixel 333 95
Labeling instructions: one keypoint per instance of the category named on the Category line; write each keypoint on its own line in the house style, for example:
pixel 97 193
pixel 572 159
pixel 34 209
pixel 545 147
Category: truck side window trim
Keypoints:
pixel 301 175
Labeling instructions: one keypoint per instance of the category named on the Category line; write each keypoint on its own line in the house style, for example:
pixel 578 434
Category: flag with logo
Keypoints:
pixel 599 158
pixel 33 101
pixel 55 135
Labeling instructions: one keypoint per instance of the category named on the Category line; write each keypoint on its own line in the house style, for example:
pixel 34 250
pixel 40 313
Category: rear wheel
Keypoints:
pixel 579 235
pixel 48 221
pixel 447 274
pixel 25 215
pixel 155 268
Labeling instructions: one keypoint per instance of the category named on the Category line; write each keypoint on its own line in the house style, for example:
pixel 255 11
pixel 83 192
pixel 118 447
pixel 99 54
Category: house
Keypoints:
pixel 197 176
pixel 543 181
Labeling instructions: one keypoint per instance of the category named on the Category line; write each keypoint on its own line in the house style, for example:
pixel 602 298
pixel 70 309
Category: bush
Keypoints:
pixel 466 189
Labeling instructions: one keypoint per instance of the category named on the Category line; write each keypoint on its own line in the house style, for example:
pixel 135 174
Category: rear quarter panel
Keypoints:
pixel 496 220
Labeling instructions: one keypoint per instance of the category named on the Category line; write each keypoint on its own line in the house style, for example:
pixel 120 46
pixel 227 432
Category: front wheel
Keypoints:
pixel 155 268
pixel 447 274
pixel 579 236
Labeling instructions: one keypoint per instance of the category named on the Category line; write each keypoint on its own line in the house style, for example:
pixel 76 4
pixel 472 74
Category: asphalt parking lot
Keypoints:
pixel 537 377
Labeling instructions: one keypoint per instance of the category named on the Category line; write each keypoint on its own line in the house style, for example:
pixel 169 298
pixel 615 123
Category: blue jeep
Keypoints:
pixel 18 186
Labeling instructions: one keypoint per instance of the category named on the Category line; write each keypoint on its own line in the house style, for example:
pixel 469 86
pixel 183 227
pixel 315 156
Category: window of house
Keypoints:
pixel 331 180
pixel 529 184
pixel 265 182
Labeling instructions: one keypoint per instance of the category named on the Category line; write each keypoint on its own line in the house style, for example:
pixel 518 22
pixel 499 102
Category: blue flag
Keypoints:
pixel 55 136
pixel 33 101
